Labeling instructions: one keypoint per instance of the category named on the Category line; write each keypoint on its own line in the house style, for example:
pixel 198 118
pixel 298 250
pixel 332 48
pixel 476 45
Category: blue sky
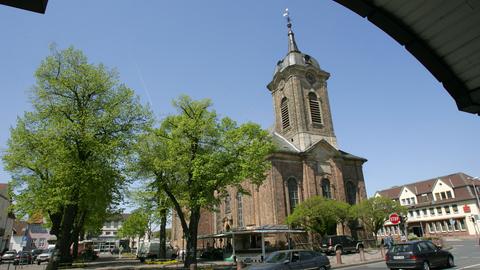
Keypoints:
pixel 386 106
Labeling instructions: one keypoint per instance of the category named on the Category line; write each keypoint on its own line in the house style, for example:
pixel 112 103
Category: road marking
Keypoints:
pixel 470 266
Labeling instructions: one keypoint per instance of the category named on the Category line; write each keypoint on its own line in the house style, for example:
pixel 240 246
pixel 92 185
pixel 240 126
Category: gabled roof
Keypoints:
pixel 283 145
pixel 455 180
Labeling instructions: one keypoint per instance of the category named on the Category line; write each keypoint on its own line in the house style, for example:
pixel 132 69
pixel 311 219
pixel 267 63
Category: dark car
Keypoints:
pixel 212 254
pixel 36 252
pixel 293 259
pixel 23 257
pixel 343 243
pixel 417 255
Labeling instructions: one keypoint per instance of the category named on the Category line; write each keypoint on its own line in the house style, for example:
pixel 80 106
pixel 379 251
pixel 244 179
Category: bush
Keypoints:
pixel 413 236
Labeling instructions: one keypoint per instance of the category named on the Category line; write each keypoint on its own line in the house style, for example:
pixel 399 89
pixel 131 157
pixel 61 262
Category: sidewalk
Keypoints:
pixel 371 256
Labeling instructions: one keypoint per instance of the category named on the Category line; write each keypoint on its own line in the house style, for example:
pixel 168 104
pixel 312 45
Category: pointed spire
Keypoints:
pixel 292 45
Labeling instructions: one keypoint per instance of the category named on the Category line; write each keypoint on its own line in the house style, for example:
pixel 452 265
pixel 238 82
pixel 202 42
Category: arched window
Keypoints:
pixel 314 108
pixel 227 204
pixel 292 186
pixel 326 192
pixel 239 210
pixel 285 116
pixel 351 192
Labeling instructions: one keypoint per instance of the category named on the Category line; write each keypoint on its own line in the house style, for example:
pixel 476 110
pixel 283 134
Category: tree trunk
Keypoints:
pixel 65 240
pixel 78 226
pixel 163 234
pixel 191 238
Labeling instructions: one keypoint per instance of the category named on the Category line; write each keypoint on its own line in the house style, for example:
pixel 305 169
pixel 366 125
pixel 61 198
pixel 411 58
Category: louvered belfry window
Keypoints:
pixel 314 109
pixel 285 117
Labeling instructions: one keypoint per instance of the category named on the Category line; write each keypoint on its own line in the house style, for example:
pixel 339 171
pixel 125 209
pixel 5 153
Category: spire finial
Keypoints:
pixel 292 45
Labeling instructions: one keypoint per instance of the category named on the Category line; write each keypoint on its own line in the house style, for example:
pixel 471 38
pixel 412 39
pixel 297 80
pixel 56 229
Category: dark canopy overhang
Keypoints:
pixel 33 5
pixel 443 35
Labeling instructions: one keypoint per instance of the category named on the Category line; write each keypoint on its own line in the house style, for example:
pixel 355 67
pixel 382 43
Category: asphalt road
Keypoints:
pixel 465 252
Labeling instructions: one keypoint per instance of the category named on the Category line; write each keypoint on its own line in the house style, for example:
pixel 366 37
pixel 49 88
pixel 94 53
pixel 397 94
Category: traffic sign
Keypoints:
pixel 394 218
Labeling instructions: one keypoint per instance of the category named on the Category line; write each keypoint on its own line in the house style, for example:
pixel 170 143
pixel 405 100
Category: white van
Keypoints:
pixel 151 250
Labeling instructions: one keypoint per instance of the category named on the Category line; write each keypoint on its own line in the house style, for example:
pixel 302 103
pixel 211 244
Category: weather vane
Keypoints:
pixel 289 21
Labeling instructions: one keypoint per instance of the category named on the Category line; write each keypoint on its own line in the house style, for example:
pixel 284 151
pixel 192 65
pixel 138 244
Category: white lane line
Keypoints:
pixel 470 266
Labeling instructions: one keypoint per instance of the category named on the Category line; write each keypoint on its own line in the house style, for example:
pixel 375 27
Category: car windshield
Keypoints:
pixel 277 257
pixel 401 248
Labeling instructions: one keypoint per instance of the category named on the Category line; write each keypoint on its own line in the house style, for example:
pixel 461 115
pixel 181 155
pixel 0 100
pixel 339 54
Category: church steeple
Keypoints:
pixel 292 45
pixel 300 98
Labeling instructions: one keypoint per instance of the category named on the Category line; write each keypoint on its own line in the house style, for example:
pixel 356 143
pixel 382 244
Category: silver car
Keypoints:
pixel 293 260
pixel 9 256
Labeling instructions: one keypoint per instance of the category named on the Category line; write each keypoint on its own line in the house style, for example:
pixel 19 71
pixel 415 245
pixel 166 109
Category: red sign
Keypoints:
pixel 466 209
pixel 394 218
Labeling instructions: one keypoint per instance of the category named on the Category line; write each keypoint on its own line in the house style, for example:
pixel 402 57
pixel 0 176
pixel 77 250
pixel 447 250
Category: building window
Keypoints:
pixel 462 224
pixel 444 195
pixel 285 116
pixel 457 225
pixel 408 201
pixel 292 193
pixel 107 233
pixel 351 191
pixel 449 194
pixel 314 109
pixel 404 202
pixel 410 213
pixel 434 229
pixel 447 209
pixel 455 209
pixel 326 189
pixel 227 204
pixel 424 211
pixel 432 211
pixel 239 210
pixel 439 210
pixel 439 226
pixel 417 212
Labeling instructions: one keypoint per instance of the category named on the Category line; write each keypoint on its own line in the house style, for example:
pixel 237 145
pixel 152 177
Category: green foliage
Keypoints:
pixel 67 155
pixel 374 211
pixel 194 156
pixel 320 215
pixel 135 225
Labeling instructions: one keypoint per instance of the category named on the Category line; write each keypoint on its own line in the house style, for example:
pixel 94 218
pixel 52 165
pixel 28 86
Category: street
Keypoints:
pixel 466 253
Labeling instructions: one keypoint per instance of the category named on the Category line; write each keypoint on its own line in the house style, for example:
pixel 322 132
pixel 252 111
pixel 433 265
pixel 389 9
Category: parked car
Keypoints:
pixel 23 257
pixel 45 256
pixel 293 260
pixel 212 254
pixel 343 243
pixel 417 255
pixel 37 252
pixel 9 256
pixel 150 250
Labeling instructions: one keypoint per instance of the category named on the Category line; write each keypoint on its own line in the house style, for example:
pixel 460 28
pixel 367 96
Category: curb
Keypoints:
pixel 357 264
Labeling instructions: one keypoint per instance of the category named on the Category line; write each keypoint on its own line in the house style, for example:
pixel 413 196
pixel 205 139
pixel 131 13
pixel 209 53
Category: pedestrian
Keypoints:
pixel 120 249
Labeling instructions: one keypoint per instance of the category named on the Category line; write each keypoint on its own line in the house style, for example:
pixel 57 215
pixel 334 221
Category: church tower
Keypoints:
pixel 300 98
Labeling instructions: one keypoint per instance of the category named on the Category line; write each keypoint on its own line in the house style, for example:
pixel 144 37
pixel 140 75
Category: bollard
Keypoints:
pixel 362 254
pixel 338 255
pixel 261 258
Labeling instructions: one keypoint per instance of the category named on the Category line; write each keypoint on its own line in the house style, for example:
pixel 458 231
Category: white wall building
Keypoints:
pixel 442 206
pixel 6 218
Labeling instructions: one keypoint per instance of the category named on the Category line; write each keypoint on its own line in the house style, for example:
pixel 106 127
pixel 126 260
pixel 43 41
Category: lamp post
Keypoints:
pixel 478 206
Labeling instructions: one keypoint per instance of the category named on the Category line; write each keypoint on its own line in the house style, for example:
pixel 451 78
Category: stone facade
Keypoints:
pixel 307 162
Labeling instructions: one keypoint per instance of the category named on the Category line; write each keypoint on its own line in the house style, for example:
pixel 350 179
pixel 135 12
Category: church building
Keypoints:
pixel 307 162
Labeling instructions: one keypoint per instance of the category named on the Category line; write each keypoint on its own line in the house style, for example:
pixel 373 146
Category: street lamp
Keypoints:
pixel 478 205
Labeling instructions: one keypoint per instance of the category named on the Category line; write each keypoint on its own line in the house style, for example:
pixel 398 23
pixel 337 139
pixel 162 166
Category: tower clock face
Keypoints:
pixel 310 77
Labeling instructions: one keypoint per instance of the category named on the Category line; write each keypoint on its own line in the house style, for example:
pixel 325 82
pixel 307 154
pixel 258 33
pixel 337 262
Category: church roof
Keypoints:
pixel 283 145
pixel 350 156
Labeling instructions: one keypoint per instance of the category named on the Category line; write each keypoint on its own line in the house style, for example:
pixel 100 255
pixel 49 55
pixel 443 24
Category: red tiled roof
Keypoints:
pixel 455 180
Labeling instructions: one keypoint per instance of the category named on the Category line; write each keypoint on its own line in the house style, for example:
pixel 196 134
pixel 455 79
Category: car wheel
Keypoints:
pixel 450 262
pixel 426 266
pixel 322 268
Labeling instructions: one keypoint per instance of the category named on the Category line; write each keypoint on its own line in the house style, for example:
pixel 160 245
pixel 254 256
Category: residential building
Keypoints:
pixel 445 205
pixel 6 218
pixel 308 161
pixel 29 235
pixel 108 237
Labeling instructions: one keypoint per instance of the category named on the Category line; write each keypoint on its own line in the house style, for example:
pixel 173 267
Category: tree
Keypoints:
pixel 319 215
pixel 374 211
pixel 68 154
pixel 135 225
pixel 194 156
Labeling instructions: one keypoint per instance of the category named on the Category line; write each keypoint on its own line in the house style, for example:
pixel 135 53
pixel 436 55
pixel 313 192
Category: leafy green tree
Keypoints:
pixel 136 225
pixel 374 211
pixel 68 154
pixel 318 215
pixel 194 156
